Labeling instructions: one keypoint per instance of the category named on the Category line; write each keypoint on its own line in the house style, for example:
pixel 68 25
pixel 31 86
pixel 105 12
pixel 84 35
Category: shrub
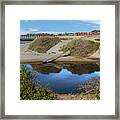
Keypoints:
pixel 30 89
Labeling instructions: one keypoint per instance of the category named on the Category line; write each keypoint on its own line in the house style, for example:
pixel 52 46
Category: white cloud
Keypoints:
pixel 93 21
pixel 50 32
pixel 31 30
pixel 28 30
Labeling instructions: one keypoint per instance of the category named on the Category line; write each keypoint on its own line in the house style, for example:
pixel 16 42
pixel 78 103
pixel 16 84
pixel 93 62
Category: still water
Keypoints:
pixel 64 77
pixel 25 41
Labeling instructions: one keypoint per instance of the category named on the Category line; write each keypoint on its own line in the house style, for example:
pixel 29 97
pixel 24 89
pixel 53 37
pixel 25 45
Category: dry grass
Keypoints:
pixel 42 44
pixel 81 48
pixel 77 97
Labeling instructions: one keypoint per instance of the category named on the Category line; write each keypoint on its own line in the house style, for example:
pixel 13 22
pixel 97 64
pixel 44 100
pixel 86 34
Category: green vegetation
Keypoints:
pixel 97 39
pixel 81 48
pixel 30 89
pixel 98 92
pixel 42 44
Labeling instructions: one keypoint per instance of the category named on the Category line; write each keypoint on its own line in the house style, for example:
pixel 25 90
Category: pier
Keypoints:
pixel 28 37
pixel 33 36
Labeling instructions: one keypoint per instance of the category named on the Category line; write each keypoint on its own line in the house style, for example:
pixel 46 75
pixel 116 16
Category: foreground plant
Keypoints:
pixel 30 89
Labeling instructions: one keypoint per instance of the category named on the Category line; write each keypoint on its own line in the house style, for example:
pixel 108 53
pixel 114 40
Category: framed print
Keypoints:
pixel 59 59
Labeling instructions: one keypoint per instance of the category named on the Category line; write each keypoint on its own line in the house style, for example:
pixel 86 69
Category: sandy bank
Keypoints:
pixel 31 57
pixel 34 58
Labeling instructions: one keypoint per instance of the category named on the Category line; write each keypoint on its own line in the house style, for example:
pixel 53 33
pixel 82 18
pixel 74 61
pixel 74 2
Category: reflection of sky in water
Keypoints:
pixel 64 81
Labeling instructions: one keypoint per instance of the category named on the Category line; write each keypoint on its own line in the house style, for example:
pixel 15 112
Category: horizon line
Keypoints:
pixel 57 32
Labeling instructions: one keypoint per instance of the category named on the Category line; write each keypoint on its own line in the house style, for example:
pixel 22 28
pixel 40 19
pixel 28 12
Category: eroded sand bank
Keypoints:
pixel 31 56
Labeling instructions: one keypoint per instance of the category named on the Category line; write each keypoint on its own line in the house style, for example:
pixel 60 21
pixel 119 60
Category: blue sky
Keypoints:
pixel 58 26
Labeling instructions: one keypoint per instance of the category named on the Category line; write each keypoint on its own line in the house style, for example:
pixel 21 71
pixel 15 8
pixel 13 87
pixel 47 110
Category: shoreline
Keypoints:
pixel 77 96
pixel 69 59
pixel 27 56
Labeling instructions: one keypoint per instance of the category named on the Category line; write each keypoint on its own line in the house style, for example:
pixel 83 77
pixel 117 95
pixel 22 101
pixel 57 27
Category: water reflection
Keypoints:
pixel 80 68
pixel 64 78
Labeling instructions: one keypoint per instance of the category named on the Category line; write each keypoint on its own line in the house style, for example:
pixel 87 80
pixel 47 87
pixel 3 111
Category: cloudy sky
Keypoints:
pixel 58 26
